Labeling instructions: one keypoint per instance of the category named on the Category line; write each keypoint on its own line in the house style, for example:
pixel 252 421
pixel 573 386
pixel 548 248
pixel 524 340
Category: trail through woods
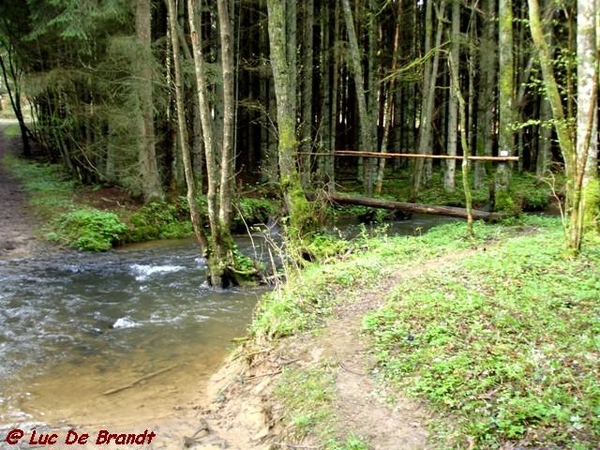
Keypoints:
pixel 16 220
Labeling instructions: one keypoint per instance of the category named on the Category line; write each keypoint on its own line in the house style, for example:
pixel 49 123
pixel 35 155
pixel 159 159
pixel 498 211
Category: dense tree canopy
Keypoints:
pixel 369 76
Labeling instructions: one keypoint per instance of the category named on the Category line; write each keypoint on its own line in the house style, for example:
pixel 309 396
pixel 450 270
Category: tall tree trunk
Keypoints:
pixel 587 114
pixel 221 258
pixel 151 186
pixel 449 174
pixel 301 220
pixel 430 72
pixel 306 141
pixel 366 120
pixel 486 93
pixel 506 98
pixel 388 108
pixel 183 133
pixel 563 131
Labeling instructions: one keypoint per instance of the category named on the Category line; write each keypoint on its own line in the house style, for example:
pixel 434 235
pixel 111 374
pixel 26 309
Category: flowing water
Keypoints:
pixel 130 335
pixel 73 328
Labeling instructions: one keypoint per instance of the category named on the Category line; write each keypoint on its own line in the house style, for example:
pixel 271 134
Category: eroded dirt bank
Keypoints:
pixel 240 411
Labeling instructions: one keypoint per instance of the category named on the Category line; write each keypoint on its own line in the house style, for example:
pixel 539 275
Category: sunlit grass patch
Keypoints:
pixel 508 341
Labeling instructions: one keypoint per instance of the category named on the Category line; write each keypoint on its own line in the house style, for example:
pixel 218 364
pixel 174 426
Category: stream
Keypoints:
pixel 74 327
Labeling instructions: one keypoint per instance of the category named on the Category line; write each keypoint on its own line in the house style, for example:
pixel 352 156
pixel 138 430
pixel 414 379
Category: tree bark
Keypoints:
pixel 151 186
pixel 306 142
pixel 430 72
pixel 301 220
pixel 486 93
pixel 506 97
pixel 183 133
pixel 564 134
pixel 449 174
pixel 587 115
pixel 366 120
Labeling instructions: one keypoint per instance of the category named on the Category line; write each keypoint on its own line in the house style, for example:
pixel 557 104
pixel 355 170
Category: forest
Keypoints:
pixel 188 98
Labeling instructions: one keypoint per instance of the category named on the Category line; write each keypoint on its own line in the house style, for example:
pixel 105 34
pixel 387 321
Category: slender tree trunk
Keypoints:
pixel 366 120
pixel 306 142
pixel 14 95
pixel 150 180
pixel 587 115
pixel 388 108
pixel 428 95
pixel 301 220
pixel 564 134
pixel 506 98
pixel 183 133
pixel 221 258
pixel 487 96
pixel 449 174
pixel 456 92
pixel 544 156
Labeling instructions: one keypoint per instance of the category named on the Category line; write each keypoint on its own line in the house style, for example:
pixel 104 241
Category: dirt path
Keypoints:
pixel 17 223
pixel 243 414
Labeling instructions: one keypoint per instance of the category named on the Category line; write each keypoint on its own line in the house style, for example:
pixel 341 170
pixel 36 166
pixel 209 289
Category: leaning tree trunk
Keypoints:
pixel 183 132
pixel 221 261
pixel 14 94
pixel 562 126
pixel 366 120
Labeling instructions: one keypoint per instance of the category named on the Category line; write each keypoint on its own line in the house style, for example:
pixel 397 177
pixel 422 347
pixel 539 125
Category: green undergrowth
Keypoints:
pixel 72 223
pixel 49 186
pixel 506 342
pixel 309 294
pixel 503 343
pixel 308 396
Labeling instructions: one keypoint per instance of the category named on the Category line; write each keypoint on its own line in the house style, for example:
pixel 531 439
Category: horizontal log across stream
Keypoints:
pixel 418 208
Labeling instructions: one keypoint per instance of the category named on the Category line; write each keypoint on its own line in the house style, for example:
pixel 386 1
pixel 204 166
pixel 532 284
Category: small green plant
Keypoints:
pixel 89 230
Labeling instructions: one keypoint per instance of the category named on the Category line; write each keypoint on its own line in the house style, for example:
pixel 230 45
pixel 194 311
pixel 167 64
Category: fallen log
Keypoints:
pixel 418 208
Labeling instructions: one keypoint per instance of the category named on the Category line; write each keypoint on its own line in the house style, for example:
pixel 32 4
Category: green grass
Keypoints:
pixel 507 342
pixel 307 396
pixel 503 344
